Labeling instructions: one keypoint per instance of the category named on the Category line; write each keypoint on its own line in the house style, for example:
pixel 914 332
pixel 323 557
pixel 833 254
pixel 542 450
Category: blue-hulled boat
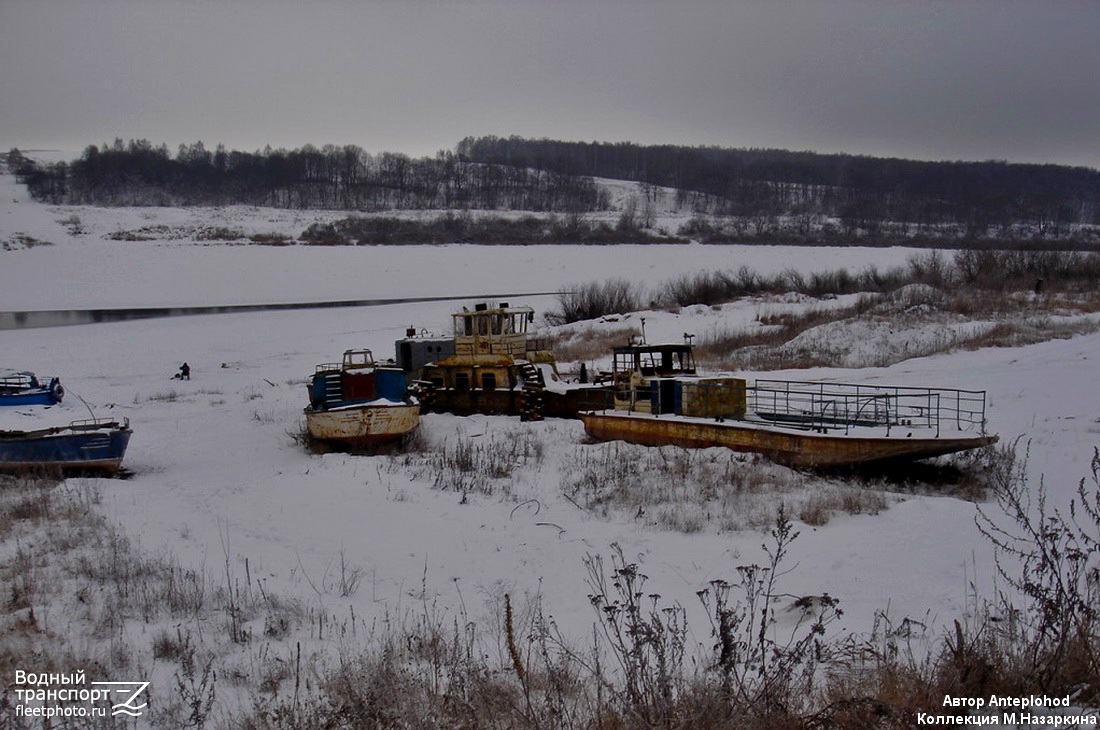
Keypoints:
pixel 89 446
pixel 357 403
pixel 25 389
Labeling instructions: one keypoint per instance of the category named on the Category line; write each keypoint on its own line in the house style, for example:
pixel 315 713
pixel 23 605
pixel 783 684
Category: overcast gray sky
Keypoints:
pixel 1017 80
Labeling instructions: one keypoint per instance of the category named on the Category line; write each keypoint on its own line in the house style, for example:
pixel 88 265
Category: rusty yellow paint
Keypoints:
pixel 486 360
pixel 712 397
pixel 795 448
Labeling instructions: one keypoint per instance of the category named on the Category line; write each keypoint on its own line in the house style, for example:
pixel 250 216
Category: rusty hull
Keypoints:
pixel 364 424
pixel 794 448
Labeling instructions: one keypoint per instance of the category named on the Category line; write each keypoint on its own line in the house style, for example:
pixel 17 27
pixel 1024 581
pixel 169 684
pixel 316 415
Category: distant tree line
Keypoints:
pixel 484 229
pixel 737 195
pixel 330 177
pixel 865 194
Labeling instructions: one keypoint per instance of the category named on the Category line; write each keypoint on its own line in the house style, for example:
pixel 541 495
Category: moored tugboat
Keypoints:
pixel 493 363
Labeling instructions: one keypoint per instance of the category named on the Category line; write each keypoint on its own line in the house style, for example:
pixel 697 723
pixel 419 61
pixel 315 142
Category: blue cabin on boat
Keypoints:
pixel 25 389
pixel 356 380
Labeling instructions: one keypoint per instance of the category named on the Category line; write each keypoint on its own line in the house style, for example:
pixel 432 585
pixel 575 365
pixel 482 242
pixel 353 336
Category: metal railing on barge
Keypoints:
pixel 817 406
pixel 821 406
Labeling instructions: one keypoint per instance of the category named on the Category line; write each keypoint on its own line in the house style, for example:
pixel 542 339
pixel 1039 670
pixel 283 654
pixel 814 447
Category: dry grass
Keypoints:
pixel 482 464
pixel 596 299
pixel 1017 297
pixel 853 500
pixel 434 668
pixel 900 326
pixel 694 490
pixel 78 587
pixel 588 344
pixel 1029 331
pixel 759 348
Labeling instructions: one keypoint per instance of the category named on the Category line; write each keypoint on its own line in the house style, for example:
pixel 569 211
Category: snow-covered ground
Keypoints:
pixel 216 470
pixel 85 268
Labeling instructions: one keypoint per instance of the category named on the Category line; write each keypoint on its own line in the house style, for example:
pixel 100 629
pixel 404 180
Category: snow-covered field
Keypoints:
pixel 216 471
pixel 87 269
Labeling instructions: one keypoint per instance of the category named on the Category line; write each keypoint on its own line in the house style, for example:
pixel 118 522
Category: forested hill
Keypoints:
pixel 330 177
pixel 747 182
pixel 707 194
